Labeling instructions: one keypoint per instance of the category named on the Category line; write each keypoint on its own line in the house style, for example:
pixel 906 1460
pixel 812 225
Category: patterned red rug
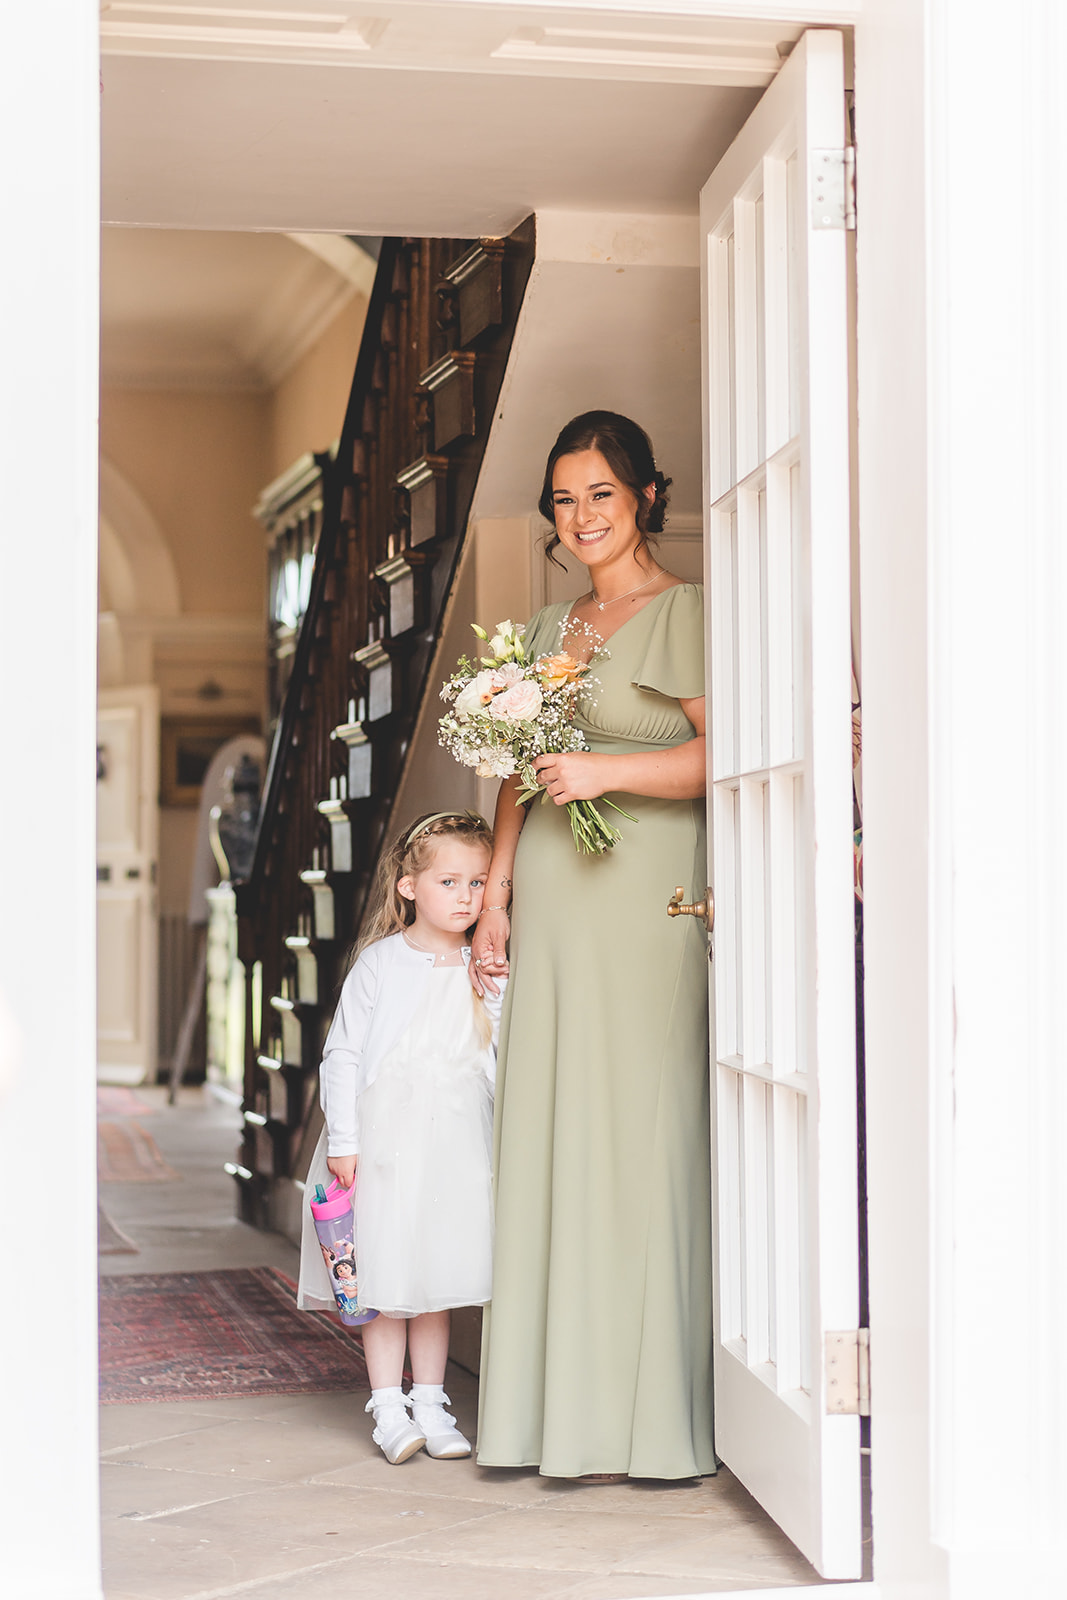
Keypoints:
pixel 207 1335
pixel 112 1100
pixel 125 1153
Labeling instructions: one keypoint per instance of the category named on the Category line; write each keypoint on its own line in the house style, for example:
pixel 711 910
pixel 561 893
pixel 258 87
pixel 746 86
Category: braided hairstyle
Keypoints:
pixel 627 450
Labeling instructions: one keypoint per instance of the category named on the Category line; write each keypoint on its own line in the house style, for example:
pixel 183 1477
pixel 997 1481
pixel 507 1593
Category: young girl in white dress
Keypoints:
pixel 406 1084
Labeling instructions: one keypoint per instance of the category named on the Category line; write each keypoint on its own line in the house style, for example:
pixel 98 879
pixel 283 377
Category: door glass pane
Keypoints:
pixel 731 345
pixel 738 930
pixel 800 927
pixel 768 927
pixel 727 964
pixel 795 534
pixel 793 204
pixel 730 1204
pixel 772 1274
pixel 764 631
pixel 804 1330
pixel 761 331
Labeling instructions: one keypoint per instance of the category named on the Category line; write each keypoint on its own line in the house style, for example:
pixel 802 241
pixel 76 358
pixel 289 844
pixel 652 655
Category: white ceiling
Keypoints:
pixel 229 311
pixel 399 118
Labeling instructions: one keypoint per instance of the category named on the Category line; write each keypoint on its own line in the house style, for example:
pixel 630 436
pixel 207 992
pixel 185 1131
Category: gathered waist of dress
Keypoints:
pixel 601 742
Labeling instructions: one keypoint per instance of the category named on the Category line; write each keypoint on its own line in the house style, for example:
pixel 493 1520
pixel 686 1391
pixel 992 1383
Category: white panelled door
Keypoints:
pixel 127 828
pixel 780 803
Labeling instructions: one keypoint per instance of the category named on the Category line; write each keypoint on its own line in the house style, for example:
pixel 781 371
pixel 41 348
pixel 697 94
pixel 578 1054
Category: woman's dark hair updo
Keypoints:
pixel 628 452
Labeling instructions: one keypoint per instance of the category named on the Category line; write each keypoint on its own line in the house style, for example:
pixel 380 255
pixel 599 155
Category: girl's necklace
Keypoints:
pixel 600 604
pixel 438 955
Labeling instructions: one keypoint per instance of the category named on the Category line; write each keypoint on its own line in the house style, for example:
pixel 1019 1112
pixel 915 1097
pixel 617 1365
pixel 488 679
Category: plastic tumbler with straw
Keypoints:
pixel 335 1225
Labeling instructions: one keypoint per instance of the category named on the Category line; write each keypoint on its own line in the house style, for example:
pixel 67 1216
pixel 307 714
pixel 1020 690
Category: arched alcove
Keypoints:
pixel 137 571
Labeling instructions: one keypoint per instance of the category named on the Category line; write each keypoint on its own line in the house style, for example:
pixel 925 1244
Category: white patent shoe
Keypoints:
pixel 394 1430
pixel 443 1439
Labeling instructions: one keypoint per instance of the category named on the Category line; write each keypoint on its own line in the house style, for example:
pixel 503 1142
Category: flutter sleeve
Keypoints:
pixel 673 659
pixel 341 1072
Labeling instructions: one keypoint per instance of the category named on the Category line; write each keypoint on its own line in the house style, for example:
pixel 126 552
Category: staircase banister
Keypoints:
pixel 335 468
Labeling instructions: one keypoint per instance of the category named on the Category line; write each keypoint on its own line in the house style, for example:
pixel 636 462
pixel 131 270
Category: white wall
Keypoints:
pixel 48 133
pixel 891 160
pixel 962 410
pixel 998 740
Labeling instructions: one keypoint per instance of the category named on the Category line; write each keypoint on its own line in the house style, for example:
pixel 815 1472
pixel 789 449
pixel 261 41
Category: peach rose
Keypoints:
pixel 557 671
pixel 520 703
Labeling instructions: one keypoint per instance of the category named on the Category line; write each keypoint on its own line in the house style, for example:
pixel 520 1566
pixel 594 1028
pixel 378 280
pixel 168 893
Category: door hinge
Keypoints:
pixel 848 1373
pixel 833 188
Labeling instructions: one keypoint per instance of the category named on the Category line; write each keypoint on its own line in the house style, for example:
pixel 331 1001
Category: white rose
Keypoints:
pixel 520 703
pixel 478 693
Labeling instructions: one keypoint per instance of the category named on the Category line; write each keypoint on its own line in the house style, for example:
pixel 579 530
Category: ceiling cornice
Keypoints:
pixel 693 45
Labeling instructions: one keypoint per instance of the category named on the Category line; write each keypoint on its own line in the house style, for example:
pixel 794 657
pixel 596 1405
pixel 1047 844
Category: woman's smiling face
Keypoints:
pixel 596 515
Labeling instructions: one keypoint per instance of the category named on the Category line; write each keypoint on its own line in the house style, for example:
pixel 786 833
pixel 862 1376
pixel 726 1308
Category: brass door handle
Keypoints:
pixel 704 909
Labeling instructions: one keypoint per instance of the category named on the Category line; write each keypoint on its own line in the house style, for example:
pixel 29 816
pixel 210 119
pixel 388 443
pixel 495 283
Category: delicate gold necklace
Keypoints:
pixel 600 604
pixel 438 955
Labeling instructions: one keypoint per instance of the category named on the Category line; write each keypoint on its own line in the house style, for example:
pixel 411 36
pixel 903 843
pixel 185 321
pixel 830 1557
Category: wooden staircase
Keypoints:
pixel 390 509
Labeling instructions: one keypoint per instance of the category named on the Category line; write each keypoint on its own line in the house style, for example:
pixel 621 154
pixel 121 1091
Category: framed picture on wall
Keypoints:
pixel 187 745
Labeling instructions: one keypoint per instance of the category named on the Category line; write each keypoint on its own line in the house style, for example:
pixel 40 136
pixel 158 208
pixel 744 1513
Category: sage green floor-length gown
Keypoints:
pixel 596 1353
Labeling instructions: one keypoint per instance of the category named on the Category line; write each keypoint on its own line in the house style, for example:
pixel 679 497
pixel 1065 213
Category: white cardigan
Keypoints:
pixel 379 998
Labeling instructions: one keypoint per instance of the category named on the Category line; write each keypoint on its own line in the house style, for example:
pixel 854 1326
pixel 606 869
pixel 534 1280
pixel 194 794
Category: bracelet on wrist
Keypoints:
pixel 484 909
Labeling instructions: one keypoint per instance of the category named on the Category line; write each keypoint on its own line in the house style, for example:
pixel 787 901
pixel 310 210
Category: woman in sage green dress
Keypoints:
pixel 596 1356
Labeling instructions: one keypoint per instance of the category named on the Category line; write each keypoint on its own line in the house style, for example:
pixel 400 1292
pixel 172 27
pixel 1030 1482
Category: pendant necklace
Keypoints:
pixel 600 604
pixel 438 955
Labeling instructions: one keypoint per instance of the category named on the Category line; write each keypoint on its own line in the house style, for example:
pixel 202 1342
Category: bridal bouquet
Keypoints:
pixel 505 710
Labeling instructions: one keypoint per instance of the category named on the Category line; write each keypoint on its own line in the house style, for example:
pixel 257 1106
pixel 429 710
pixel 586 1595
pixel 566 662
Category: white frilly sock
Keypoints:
pixel 443 1439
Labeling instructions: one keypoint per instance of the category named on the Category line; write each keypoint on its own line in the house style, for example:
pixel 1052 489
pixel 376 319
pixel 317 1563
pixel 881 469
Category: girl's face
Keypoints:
pixel 596 515
pixel 448 893
pixel 345 1269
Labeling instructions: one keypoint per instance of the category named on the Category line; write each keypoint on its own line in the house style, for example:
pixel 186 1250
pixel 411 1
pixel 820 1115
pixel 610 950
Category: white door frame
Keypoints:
pixel 961 342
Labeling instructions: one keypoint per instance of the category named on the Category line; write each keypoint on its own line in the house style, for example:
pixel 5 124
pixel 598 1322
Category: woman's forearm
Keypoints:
pixel 507 825
pixel 678 774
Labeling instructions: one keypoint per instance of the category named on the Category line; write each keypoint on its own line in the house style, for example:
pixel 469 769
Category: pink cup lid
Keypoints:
pixel 337 1203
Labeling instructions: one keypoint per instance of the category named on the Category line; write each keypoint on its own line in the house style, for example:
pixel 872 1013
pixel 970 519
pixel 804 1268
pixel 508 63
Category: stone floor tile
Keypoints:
pixel 341 1409
pixel 416 1580
pixel 645 1586
pixel 456 1480
pixel 734 1552
pixel 139 1492
pixel 122 1427
pixel 524 1487
pixel 332 1520
pixel 160 1560
pixel 271 1450
pixel 545 1539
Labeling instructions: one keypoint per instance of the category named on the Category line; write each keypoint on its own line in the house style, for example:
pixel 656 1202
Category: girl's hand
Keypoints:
pixel 489 958
pixel 343 1169
pixel 576 775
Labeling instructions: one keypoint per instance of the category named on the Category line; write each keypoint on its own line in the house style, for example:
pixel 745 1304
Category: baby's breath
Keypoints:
pixel 506 710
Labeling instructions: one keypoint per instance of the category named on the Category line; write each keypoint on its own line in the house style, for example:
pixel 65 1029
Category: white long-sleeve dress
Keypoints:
pixel 406 1083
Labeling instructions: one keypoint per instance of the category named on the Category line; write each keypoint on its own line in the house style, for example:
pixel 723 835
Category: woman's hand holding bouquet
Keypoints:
pixel 509 715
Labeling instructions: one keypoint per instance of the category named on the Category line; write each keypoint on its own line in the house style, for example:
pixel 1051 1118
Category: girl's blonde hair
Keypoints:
pixel 411 852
